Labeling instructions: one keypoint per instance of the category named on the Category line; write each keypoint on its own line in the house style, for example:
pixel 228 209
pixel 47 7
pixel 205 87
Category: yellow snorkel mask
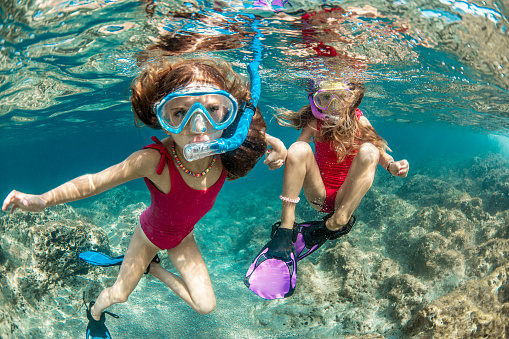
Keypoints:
pixel 332 96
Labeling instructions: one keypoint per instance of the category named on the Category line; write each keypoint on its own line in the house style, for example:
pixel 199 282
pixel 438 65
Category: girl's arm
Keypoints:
pixel 137 165
pixel 398 168
pixel 308 132
pixel 276 155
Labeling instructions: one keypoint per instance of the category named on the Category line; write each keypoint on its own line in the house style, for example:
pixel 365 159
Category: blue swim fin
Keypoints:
pixel 100 259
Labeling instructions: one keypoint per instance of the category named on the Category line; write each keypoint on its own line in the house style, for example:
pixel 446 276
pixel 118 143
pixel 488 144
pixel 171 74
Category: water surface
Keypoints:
pixel 437 91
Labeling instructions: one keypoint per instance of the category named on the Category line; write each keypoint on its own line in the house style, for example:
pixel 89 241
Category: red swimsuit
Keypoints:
pixel 333 173
pixel 172 216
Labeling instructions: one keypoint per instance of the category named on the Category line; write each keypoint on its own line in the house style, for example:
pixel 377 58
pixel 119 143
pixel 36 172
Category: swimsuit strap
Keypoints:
pixel 165 155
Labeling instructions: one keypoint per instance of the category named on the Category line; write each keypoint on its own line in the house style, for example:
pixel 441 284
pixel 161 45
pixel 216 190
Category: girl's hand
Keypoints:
pixel 274 158
pixel 399 168
pixel 26 202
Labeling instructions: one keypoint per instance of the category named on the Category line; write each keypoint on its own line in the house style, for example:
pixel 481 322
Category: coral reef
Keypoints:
pixel 415 240
pixel 40 268
pixel 479 309
pixel 428 257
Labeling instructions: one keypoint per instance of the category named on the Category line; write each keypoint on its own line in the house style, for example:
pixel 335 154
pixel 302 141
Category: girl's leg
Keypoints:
pixel 138 256
pixel 357 183
pixel 194 285
pixel 301 170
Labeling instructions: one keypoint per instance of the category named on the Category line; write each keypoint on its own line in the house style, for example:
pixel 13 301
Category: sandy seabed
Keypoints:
pixel 427 258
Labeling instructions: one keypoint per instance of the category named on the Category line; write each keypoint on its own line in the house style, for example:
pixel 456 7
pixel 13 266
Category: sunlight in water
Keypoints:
pixel 427 255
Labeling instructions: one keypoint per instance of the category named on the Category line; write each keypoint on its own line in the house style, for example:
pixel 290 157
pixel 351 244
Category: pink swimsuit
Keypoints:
pixel 172 216
pixel 333 173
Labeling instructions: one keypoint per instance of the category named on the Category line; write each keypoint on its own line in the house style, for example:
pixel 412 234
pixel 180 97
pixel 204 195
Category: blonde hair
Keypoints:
pixel 346 134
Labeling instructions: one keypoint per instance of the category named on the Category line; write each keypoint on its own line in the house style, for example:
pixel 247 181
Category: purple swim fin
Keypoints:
pixel 273 274
pixel 312 235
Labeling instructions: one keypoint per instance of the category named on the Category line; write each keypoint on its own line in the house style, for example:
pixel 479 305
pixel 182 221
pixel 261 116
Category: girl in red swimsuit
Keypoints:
pixel 194 101
pixel 337 176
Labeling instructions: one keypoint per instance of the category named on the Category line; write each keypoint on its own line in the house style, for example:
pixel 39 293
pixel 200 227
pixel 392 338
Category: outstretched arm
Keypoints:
pixel 276 155
pixel 82 187
pixel 398 168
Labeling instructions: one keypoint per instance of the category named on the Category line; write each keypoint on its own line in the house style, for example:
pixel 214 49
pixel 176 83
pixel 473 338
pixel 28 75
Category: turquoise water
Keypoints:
pixel 437 91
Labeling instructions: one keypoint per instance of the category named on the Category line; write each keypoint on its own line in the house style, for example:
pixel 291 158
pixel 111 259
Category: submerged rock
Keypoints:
pixel 406 294
pixel 479 309
pixel 38 261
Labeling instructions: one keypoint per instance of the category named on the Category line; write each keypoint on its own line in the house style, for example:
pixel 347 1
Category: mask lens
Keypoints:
pixel 175 110
pixel 324 98
pixel 217 108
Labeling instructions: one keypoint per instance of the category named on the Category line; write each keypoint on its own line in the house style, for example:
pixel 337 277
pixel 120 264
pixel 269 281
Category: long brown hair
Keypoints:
pixel 347 134
pixel 164 76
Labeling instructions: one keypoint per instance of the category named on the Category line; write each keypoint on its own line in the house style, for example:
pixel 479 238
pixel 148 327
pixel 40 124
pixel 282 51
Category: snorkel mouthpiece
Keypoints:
pixel 200 150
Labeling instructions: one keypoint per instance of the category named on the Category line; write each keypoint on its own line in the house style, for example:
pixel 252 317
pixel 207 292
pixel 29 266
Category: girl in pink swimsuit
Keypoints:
pixel 194 101
pixel 339 173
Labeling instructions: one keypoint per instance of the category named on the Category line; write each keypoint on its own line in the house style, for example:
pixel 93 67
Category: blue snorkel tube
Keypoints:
pixel 200 150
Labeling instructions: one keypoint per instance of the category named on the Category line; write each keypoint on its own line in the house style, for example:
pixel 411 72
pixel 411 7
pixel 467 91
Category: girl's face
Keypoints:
pixel 334 101
pixel 198 128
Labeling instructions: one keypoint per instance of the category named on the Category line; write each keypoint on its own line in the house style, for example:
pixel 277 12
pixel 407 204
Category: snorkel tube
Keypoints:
pixel 315 111
pixel 311 89
pixel 200 150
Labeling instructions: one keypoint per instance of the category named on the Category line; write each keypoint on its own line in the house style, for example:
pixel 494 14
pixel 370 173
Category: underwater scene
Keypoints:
pixel 428 256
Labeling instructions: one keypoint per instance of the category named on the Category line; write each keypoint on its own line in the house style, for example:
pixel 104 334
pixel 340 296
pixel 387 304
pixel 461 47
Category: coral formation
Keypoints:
pixel 479 309
pixel 428 257
pixel 39 264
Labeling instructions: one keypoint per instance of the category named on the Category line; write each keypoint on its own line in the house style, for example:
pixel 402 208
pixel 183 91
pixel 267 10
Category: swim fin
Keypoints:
pixel 273 273
pixel 96 329
pixel 311 235
pixel 100 259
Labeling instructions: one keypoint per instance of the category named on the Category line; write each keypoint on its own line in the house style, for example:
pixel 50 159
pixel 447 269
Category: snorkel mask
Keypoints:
pixel 332 98
pixel 196 105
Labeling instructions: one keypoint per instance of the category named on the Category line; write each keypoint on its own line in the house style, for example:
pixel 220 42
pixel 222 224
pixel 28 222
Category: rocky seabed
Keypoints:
pixel 427 258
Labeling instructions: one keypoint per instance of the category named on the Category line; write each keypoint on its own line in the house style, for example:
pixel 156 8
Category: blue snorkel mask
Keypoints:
pixel 196 105
pixel 200 150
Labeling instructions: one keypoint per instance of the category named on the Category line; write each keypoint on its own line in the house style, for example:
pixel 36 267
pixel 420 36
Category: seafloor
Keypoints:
pixel 427 258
